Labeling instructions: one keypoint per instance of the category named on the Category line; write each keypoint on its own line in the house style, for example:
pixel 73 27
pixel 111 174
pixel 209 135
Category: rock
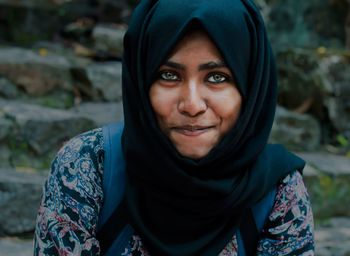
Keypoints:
pixel 42 4
pixel 56 99
pixel 22 21
pixel 336 69
pixel 105 80
pixel 13 246
pixel 328 184
pixel 19 200
pixel 295 131
pixel 36 74
pixel 107 11
pixel 299 78
pixel 27 17
pixel 7 89
pixel 115 11
pixel 347 28
pixel 47 48
pixel 100 113
pixel 40 129
pixel 5 156
pixel 316 82
pixel 5 127
pixel 109 39
pixel 333 237
pixel 306 23
pixel 332 165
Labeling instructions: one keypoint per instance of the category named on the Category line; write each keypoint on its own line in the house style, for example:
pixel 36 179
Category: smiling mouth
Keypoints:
pixel 192 130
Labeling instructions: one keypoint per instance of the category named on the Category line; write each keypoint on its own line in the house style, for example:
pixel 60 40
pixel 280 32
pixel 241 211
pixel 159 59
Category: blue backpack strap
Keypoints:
pixel 263 208
pixel 249 233
pixel 114 171
pixel 113 230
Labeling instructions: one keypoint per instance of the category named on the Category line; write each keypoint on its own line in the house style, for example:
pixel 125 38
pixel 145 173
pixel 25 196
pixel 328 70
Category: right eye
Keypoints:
pixel 169 76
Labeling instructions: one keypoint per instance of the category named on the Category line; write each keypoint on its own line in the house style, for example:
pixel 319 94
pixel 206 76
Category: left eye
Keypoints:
pixel 169 76
pixel 217 78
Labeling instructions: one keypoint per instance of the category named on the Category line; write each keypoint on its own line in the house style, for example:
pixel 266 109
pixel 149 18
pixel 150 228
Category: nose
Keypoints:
pixel 192 101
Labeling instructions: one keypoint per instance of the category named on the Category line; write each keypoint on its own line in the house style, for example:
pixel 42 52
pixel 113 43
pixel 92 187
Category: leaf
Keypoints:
pixel 342 140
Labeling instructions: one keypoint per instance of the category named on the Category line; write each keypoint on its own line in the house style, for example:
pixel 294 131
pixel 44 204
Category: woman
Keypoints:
pixel 199 95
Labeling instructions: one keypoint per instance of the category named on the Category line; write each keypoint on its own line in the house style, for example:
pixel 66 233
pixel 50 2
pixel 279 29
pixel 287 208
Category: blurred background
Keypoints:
pixel 60 75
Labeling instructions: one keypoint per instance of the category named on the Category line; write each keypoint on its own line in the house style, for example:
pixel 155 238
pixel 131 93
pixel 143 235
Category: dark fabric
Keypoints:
pixel 182 206
pixel 249 232
pixel 112 228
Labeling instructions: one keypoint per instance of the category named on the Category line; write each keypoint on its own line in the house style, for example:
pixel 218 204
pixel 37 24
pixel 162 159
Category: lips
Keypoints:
pixel 192 130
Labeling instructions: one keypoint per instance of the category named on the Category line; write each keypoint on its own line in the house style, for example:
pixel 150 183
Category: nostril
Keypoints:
pixel 192 107
pixel 191 100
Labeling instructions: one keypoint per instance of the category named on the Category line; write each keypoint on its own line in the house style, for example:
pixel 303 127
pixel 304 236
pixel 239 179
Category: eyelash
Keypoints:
pixel 161 73
pixel 226 78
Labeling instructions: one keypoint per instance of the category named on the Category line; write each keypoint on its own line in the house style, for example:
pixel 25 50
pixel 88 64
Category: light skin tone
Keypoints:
pixel 194 96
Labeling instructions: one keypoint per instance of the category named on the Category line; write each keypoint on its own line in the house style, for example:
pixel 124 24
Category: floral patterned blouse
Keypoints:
pixel 72 199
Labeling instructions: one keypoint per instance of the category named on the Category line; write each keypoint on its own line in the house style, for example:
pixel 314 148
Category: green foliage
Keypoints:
pixel 24 158
pixel 25 39
pixel 62 11
pixel 342 140
pixel 17 146
pixel 330 195
pixel 61 102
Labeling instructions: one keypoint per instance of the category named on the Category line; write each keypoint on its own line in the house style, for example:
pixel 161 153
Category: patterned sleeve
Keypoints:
pixel 289 228
pixel 72 197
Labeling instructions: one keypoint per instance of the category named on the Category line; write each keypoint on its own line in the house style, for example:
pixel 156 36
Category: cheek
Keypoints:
pixel 162 101
pixel 228 108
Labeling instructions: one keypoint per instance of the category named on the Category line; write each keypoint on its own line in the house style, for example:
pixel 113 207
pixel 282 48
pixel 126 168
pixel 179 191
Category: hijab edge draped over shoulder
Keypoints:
pixel 181 206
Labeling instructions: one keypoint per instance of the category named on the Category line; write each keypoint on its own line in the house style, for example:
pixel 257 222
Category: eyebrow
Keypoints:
pixel 204 66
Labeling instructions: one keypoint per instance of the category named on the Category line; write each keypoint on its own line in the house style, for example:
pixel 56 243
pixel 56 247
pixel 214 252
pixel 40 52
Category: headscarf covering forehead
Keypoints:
pixel 170 22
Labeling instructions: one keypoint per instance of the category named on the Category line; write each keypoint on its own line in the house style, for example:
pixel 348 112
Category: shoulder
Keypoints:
pixel 72 197
pixel 291 195
pixel 88 144
pixel 289 228
pixel 78 166
pixel 292 203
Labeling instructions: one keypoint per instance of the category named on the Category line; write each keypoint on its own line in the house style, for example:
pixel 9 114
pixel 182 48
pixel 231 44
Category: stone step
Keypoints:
pixel 56 77
pixel 327 178
pixel 30 135
pixel 333 237
pixel 14 246
pixel 23 19
pixel 20 195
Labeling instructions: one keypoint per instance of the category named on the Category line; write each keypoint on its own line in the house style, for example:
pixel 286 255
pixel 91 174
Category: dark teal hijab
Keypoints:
pixel 181 206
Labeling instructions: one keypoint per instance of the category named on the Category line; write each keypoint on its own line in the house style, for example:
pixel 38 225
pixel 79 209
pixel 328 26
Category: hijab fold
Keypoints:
pixel 182 206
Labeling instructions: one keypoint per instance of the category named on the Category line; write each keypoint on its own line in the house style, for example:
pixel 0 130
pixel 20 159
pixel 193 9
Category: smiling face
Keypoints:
pixel 194 96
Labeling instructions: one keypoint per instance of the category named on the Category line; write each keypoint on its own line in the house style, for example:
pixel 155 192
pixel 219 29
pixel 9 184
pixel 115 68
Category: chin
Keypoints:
pixel 193 153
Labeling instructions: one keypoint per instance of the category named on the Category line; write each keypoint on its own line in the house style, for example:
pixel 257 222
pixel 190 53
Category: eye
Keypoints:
pixel 169 76
pixel 217 78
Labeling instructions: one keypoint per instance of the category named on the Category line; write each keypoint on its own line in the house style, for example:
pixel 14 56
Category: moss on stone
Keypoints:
pixel 63 102
pixel 330 195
